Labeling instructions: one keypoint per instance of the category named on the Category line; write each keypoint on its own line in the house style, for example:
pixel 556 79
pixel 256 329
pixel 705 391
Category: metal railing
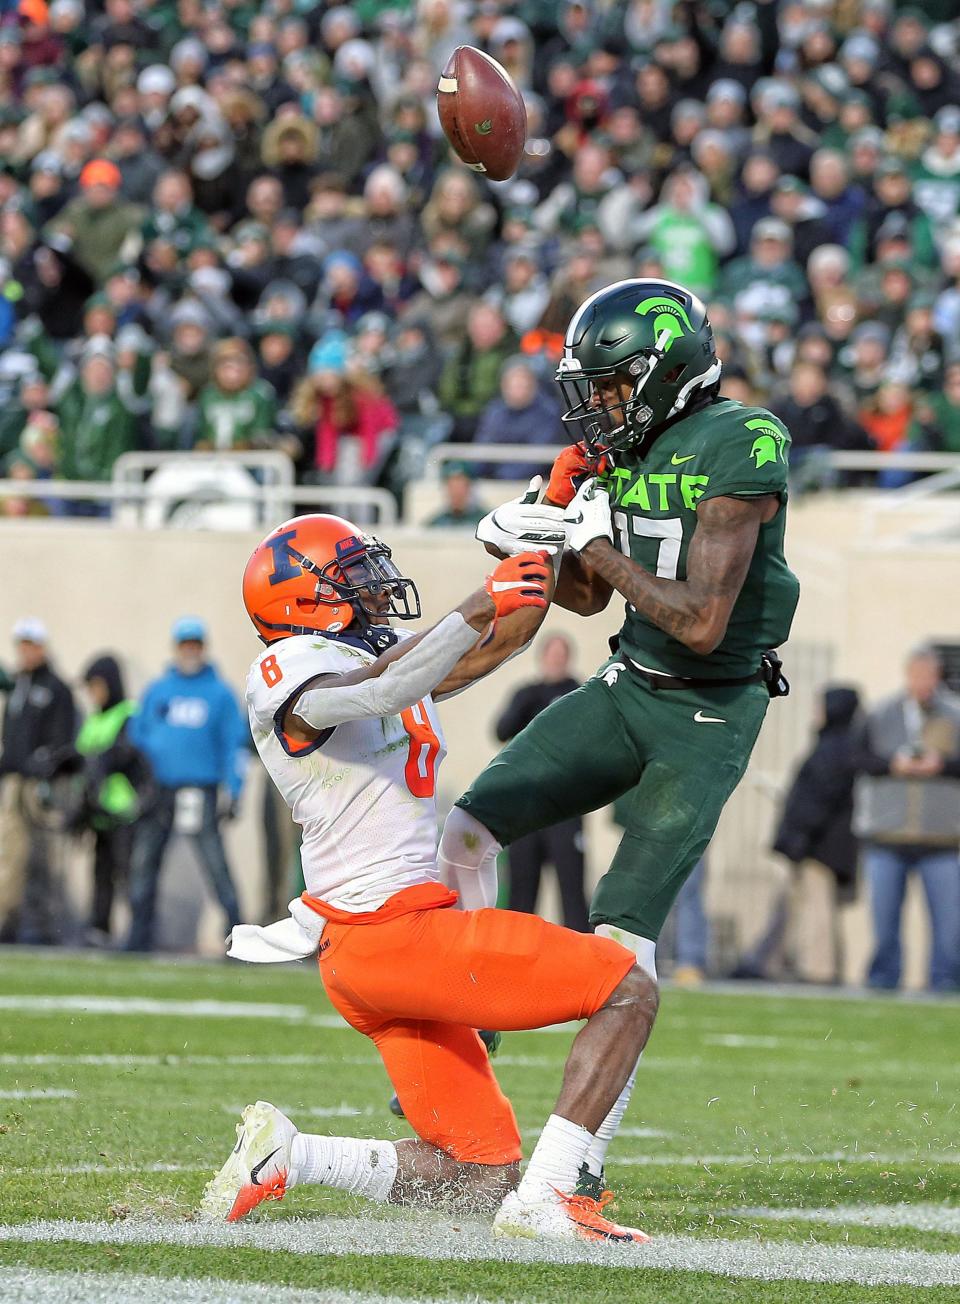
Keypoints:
pixel 273 466
pixel 249 488
pixel 142 494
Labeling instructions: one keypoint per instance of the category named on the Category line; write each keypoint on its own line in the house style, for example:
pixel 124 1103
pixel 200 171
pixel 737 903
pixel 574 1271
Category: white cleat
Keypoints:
pixel 258 1169
pixel 556 1216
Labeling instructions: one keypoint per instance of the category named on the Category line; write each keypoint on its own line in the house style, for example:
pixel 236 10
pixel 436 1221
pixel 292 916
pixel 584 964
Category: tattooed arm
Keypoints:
pixel 695 611
pixel 580 588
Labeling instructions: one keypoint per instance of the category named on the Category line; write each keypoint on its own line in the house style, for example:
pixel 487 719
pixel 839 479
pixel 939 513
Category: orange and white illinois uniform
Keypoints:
pixel 402 967
pixel 363 793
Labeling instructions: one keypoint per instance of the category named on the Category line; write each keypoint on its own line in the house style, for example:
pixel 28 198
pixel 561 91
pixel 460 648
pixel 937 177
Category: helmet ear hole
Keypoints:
pixel 674 374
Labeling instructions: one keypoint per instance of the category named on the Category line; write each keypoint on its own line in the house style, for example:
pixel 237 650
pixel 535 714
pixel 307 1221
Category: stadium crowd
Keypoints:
pixel 232 226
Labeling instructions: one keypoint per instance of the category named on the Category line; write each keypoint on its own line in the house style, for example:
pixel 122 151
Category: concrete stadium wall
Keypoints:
pixel 874 584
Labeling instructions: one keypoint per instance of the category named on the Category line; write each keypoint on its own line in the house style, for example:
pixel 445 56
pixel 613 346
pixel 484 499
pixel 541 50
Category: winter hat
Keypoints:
pixel 328 354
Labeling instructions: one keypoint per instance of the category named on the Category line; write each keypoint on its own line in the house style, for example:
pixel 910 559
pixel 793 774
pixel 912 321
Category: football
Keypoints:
pixel 482 113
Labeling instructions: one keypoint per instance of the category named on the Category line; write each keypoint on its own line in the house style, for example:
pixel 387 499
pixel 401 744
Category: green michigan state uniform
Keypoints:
pixel 677 753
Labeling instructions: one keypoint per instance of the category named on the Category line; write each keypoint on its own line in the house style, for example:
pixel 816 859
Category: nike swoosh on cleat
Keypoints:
pixel 679 461
pixel 255 1172
pixel 700 718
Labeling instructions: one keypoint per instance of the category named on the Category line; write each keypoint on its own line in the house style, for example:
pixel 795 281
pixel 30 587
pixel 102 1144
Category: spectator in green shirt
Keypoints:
pixel 95 425
pixel 936 424
pixel 237 409
pixel 688 233
pixel 461 509
pixel 769 262
pixel 173 217
pixel 471 378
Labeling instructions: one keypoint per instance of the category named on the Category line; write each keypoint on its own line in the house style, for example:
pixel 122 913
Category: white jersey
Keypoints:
pixel 364 793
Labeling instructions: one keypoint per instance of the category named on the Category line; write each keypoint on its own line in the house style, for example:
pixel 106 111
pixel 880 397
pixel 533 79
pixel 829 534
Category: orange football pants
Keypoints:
pixel 419 981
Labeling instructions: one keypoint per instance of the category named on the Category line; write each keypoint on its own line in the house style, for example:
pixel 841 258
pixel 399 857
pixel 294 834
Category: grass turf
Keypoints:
pixel 866 1090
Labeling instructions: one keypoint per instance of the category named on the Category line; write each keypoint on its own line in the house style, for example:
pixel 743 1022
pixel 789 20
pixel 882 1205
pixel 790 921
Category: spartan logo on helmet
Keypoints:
pixel 668 318
pixel 651 336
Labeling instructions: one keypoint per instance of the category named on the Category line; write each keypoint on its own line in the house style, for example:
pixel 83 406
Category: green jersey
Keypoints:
pixel 724 450
pixel 236 418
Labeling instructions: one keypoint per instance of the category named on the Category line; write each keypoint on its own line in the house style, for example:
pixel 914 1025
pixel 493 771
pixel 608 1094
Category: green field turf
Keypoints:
pixel 808 1144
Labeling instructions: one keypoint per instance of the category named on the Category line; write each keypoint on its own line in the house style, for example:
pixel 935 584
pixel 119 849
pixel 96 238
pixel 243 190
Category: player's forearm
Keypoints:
pixel 579 588
pixel 509 638
pixel 403 682
pixel 511 632
pixel 698 621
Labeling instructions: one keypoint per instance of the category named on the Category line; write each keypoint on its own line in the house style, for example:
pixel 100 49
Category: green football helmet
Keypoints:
pixel 652 334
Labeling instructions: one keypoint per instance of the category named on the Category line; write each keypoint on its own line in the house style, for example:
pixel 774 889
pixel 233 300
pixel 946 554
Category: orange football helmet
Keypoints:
pixel 311 574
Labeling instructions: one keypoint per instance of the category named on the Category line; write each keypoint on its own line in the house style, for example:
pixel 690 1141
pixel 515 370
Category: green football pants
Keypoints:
pixel 677 755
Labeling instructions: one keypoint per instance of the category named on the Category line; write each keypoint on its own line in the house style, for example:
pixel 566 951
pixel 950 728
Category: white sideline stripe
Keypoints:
pixel 76 1170
pixel 641 1133
pixel 927 1157
pixel 885 1068
pixel 203 1009
pixel 744 1041
pixel 435 1238
pixel 626 1161
pixel 343 1110
pixel 37 1284
pixel 918 1217
pixel 177 1061
pixel 39 1093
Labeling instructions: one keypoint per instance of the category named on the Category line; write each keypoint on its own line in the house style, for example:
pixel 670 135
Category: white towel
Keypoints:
pixel 295 938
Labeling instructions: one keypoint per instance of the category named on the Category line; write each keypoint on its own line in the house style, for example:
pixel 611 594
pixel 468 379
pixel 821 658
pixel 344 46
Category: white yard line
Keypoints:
pixel 743 1041
pixel 640 1133
pixel 147 1005
pixel 343 1110
pixel 918 1217
pixel 178 1061
pixel 795 1157
pixel 627 1161
pixel 436 1238
pixel 42 1287
pixel 78 1170
pixel 39 1093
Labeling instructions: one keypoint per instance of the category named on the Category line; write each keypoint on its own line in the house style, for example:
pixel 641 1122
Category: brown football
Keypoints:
pixel 482 113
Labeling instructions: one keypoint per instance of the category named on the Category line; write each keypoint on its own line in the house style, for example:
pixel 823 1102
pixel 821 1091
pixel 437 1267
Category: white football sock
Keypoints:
pixel 645 951
pixel 367 1168
pixel 556 1159
pixel 467 860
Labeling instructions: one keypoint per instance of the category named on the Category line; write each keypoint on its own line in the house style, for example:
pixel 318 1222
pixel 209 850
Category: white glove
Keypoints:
pixel 588 516
pixel 524 525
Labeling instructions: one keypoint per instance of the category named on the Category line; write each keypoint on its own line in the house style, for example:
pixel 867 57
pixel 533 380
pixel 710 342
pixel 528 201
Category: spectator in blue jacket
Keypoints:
pixel 523 414
pixel 191 729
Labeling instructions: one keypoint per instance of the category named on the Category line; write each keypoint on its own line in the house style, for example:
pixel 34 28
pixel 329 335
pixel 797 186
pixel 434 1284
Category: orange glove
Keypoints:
pixel 517 582
pixel 570 469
